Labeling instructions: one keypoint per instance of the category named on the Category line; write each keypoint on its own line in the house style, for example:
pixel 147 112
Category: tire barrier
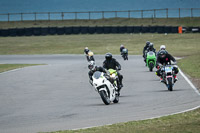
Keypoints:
pixel 44 31
pixel 52 30
pixel 38 31
pixel 83 30
pixel 68 30
pixel 60 31
pixel 28 31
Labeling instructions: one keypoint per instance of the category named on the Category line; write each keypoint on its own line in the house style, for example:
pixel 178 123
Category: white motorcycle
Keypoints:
pixel 168 76
pixel 105 88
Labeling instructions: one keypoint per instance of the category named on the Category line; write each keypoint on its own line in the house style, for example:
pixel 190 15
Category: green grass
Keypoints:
pixel 191 65
pixel 188 122
pixel 7 67
pixel 105 22
pixel 178 45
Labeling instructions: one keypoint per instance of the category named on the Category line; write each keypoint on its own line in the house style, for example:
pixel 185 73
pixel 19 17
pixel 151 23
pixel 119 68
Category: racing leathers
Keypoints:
pixel 113 64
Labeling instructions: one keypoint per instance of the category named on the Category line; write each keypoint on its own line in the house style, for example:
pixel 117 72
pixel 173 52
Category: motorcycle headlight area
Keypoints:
pixel 112 75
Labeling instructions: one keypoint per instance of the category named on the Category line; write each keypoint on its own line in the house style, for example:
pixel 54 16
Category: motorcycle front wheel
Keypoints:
pixel 104 97
pixel 170 85
pixel 151 66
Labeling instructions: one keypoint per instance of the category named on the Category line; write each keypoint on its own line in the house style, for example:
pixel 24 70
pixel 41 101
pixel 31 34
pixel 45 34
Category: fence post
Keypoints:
pixel 167 12
pixel 191 12
pixel 179 13
pixel 115 14
pixel 21 16
pixel 75 15
pixel 129 14
pixel 49 16
pixel 102 14
pixel 141 13
pixel 35 16
pixel 154 13
pixel 89 15
pixel 62 15
pixel 8 17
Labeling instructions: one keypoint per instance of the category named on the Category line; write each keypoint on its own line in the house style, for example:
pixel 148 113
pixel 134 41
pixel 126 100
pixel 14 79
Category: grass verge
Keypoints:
pixel 188 122
pixel 7 67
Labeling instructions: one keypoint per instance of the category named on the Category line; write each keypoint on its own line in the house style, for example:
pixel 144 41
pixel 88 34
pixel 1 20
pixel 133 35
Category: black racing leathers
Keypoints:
pixel 113 64
pixel 164 61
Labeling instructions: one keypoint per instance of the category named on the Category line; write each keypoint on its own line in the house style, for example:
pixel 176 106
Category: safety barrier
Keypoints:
pixel 42 31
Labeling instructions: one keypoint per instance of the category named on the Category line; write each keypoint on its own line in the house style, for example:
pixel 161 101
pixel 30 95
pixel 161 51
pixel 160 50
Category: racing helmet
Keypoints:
pixel 91 65
pixel 147 43
pixel 151 45
pixel 108 56
pixel 162 47
pixel 162 54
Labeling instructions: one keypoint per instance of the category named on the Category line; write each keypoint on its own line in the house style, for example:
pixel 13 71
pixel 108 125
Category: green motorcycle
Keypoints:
pixel 151 60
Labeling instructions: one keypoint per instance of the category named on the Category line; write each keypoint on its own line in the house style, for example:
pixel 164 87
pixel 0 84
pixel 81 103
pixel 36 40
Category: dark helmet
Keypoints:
pixel 91 65
pixel 162 54
pixel 147 43
pixel 108 56
pixel 151 45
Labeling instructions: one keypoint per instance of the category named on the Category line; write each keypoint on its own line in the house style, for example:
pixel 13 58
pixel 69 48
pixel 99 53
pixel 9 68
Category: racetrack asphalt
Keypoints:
pixel 58 96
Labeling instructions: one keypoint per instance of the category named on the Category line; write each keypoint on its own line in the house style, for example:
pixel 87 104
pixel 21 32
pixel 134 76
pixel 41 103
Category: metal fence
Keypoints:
pixel 153 13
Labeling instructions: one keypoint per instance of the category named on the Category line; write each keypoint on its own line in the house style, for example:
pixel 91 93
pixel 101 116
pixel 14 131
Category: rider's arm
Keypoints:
pixel 172 58
pixel 118 65
pixel 90 74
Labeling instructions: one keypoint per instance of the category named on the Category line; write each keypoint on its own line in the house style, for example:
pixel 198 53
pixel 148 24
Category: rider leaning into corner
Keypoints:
pixel 86 51
pixel 93 68
pixel 121 48
pixel 164 58
pixel 111 63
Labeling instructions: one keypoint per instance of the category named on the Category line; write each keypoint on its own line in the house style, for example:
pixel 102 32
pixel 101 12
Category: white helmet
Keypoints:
pixel 91 65
pixel 162 47
pixel 86 48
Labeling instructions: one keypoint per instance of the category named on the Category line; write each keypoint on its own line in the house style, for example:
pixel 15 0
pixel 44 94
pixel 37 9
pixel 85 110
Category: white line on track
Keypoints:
pixel 189 82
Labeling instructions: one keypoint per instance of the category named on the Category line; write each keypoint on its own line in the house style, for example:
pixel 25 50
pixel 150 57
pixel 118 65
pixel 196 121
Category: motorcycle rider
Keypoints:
pixel 93 68
pixel 162 47
pixel 121 48
pixel 86 51
pixel 124 51
pixel 112 63
pixel 151 48
pixel 145 48
pixel 89 54
pixel 165 58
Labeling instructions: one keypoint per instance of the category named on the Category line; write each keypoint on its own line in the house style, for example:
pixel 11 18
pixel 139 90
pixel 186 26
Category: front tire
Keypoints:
pixel 104 97
pixel 170 85
pixel 151 66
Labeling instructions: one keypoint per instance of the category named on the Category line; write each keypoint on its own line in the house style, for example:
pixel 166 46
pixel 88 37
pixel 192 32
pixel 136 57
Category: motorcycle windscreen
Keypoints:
pixel 97 75
pixel 150 53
